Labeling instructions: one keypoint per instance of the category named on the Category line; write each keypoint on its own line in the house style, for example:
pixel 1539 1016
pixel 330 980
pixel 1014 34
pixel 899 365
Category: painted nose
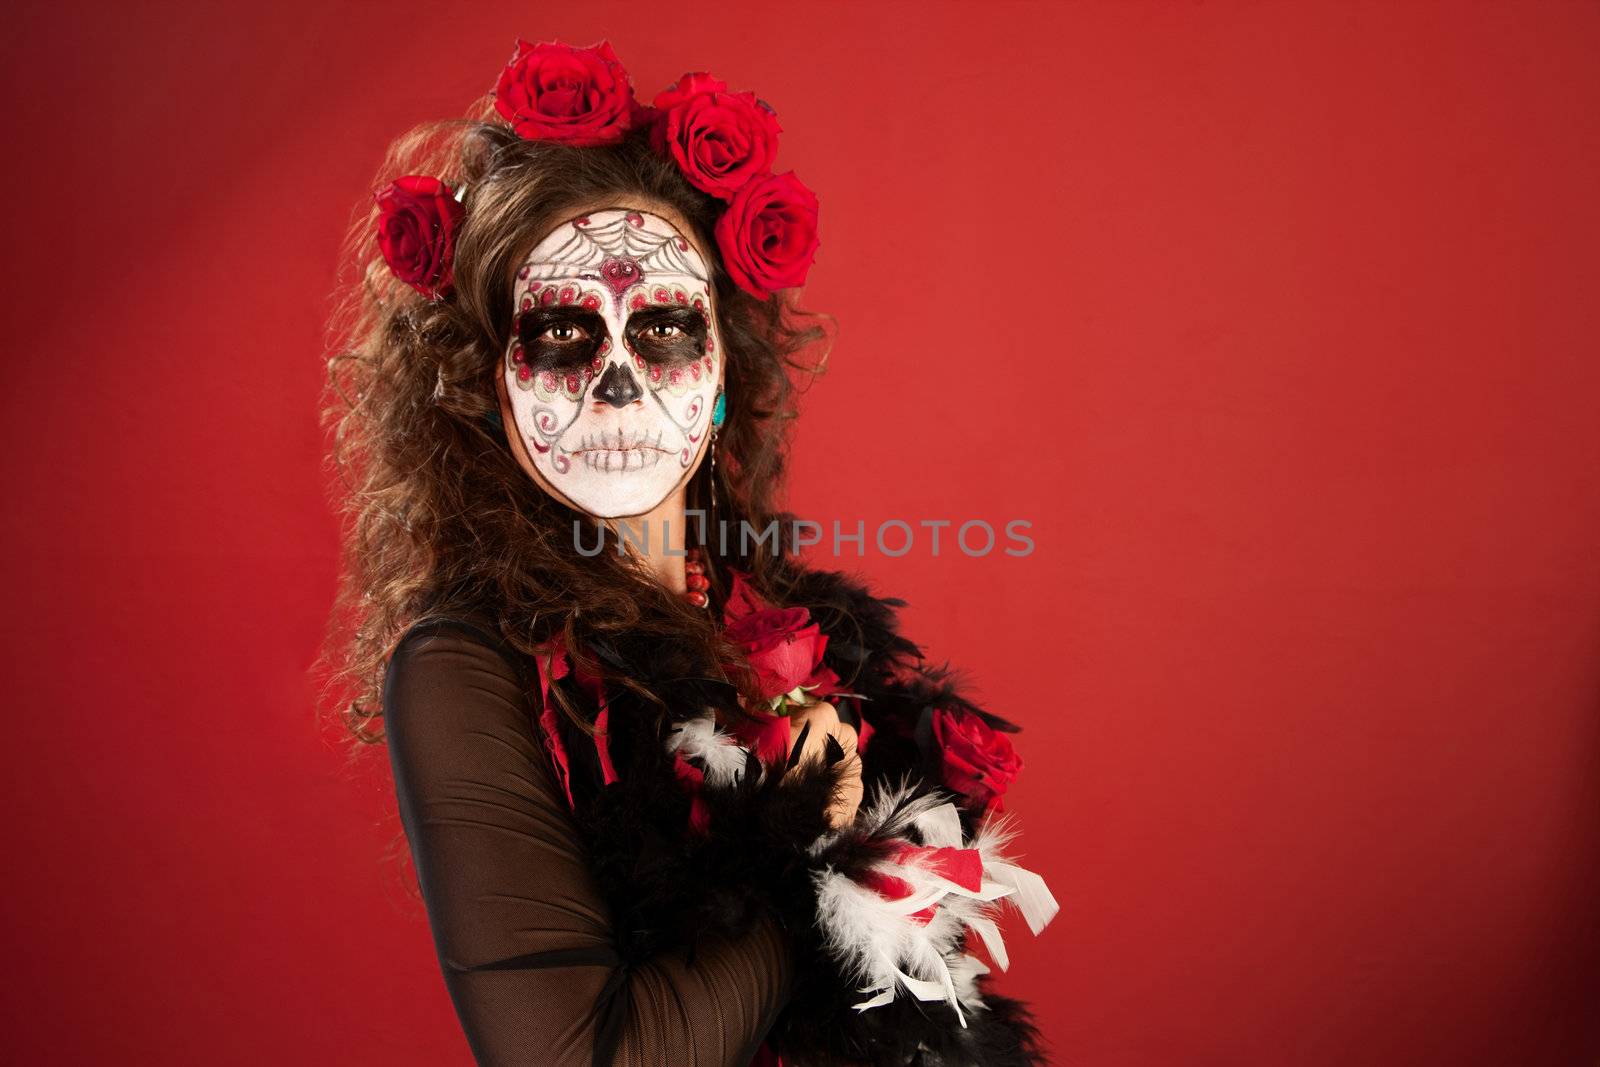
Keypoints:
pixel 617 387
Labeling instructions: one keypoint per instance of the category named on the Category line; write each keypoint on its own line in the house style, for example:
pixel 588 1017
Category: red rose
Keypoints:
pixel 691 84
pixel 742 599
pixel 720 140
pixel 578 96
pixel 979 761
pixel 783 646
pixel 417 223
pixel 768 235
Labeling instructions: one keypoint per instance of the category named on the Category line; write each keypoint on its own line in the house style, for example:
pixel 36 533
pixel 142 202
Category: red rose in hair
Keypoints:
pixel 417 222
pixel 691 84
pixel 555 92
pixel 720 140
pixel 784 647
pixel 979 761
pixel 768 235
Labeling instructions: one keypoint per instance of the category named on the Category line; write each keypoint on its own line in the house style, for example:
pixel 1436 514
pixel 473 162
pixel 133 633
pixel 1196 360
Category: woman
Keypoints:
pixel 672 797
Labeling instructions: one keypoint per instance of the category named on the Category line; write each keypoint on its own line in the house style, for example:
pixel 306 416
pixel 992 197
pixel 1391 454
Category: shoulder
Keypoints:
pixel 461 630
pixel 445 658
pixel 457 710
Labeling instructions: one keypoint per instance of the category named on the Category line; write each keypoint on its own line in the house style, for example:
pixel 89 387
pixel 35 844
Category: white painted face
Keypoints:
pixel 614 361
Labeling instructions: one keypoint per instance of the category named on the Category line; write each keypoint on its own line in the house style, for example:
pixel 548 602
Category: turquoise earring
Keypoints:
pixel 719 415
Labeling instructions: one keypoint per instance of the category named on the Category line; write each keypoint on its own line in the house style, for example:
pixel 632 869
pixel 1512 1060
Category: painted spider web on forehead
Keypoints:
pixel 590 246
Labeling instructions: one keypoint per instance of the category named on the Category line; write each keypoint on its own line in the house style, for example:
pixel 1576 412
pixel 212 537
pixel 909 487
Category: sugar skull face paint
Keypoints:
pixel 614 360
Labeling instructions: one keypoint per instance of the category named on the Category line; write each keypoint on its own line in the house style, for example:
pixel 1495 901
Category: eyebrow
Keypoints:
pixel 677 309
pixel 571 311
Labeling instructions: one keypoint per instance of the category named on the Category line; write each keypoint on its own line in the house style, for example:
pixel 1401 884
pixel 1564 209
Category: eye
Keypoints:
pixel 668 334
pixel 564 332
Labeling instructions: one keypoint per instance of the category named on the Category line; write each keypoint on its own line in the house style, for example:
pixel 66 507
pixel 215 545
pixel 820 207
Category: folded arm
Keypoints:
pixel 523 935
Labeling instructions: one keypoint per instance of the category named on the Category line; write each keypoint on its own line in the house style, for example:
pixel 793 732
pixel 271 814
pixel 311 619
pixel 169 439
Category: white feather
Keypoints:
pixel 941 826
pixel 1031 896
pixel 965 972
pixel 876 941
pixel 722 756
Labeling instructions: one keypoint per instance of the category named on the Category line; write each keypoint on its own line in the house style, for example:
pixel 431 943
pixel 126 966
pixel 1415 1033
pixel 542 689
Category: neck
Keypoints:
pixel 655 541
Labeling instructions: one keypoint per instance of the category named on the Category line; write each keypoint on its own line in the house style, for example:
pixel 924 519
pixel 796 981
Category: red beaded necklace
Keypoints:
pixel 695 569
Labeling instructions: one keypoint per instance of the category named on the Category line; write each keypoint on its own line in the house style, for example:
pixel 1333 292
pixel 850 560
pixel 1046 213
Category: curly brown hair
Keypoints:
pixel 437 516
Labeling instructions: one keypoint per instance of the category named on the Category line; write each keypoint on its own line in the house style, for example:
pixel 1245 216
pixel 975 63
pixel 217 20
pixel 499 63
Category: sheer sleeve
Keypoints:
pixel 523 936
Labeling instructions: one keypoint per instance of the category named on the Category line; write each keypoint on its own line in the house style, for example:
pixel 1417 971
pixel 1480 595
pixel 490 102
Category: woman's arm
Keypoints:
pixel 522 934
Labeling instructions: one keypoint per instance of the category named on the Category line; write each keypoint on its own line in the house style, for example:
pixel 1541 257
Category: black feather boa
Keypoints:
pixel 766 842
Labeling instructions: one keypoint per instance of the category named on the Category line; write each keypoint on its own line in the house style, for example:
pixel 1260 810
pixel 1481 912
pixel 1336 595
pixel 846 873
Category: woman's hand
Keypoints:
pixel 824 722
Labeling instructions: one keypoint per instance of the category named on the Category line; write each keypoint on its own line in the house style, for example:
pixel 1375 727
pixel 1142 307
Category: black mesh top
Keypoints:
pixel 523 937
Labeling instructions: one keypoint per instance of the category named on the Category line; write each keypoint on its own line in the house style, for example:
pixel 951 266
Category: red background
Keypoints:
pixel 1278 322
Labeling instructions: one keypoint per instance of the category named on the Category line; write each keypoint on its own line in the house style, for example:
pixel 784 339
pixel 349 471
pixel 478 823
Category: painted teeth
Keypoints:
pixel 618 441
pixel 620 452
pixel 621 460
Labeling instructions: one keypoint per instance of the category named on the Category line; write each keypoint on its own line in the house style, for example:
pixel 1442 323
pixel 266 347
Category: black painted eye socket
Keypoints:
pixel 667 334
pixel 559 325
pixel 559 338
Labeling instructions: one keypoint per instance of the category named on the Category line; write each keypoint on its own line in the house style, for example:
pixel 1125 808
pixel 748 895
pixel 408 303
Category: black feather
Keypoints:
pixel 668 887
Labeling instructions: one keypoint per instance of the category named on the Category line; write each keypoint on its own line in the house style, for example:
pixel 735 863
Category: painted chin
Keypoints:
pixel 620 492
